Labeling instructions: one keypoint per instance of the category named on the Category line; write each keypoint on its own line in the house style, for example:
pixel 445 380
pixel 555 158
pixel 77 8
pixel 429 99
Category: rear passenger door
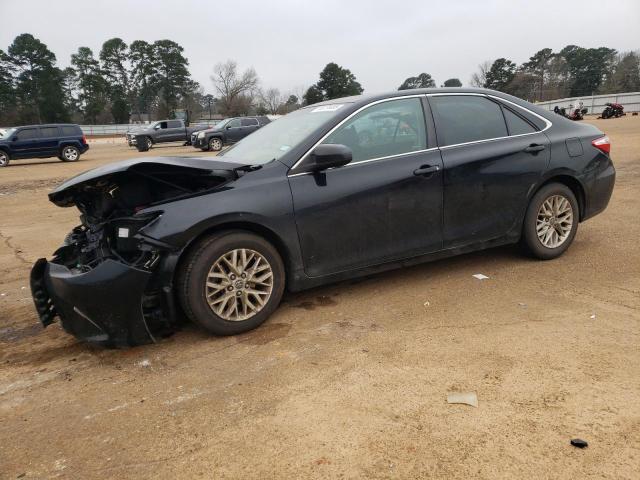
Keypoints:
pixel 493 156
pixel 49 141
pixel 176 131
pixel 25 143
pixel 249 125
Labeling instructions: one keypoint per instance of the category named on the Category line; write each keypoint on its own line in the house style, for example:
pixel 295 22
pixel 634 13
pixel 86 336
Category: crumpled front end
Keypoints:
pixel 110 283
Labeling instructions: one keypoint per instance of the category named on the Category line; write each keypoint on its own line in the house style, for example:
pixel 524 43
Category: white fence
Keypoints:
pixel 121 129
pixel 595 104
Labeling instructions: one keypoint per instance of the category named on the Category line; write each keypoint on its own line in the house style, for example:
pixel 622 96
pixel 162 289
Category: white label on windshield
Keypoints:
pixel 327 108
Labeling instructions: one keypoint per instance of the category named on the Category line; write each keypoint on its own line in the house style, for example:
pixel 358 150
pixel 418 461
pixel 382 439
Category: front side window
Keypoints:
pixel 28 134
pixel 389 128
pixel 48 132
pixel 175 124
pixel 467 118
pixel 234 123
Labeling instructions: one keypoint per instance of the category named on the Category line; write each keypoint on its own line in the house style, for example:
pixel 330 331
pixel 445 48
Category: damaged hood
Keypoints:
pixel 64 194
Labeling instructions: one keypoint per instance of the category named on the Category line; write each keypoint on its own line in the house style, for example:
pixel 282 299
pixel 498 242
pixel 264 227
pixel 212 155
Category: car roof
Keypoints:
pixel 361 100
pixel 50 125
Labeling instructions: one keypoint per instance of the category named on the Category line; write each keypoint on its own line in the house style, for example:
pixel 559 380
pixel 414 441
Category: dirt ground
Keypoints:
pixel 344 381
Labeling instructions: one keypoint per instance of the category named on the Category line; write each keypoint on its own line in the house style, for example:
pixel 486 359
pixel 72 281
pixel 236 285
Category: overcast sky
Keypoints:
pixel 288 42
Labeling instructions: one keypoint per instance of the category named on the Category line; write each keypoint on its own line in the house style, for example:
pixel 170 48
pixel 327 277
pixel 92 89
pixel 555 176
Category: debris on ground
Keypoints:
pixel 144 363
pixel 578 442
pixel 427 304
pixel 480 276
pixel 466 398
pixel 593 316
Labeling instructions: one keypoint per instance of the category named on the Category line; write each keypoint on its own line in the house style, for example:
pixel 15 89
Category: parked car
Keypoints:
pixel 163 131
pixel 229 130
pixel 65 141
pixel 306 201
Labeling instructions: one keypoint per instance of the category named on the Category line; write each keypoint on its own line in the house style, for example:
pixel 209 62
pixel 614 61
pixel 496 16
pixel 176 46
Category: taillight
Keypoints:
pixel 84 139
pixel 603 144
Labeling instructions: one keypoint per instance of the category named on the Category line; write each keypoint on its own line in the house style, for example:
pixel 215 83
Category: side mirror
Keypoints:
pixel 157 127
pixel 330 155
pixel 229 128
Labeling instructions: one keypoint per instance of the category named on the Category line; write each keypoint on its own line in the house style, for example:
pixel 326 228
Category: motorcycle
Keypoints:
pixel 578 114
pixel 613 110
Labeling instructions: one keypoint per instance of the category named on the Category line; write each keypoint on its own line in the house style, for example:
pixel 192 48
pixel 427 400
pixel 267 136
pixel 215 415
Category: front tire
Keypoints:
pixel 231 282
pixel 551 221
pixel 215 144
pixel 70 154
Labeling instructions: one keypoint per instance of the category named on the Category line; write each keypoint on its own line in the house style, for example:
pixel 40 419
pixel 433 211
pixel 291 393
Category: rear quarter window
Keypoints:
pixel 70 131
pixel 515 124
pixel 467 118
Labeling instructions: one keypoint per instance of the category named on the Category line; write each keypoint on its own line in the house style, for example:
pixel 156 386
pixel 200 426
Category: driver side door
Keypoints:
pixel 386 204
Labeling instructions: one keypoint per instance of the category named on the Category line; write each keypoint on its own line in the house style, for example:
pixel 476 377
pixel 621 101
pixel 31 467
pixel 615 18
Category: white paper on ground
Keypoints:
pixel 480 276
pixel 467 398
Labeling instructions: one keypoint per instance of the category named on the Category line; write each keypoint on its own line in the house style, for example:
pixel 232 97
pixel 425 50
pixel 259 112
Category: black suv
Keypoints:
pixel 229 130
pixel 64 141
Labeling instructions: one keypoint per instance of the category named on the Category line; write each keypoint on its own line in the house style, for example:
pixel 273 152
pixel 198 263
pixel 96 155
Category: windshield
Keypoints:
pixel 222 123
pixel 278 137
pixel 6 133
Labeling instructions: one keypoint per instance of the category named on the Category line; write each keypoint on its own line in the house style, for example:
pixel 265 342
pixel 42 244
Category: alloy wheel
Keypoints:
pixel 149 143
pixel 554 221
pixel 4 159
pixel 70 154
pixel 215 144
pixel 239 284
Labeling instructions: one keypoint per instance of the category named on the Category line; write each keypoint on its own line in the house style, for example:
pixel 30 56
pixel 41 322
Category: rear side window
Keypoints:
pixel 249 122
pixel 28 134
pixel 467 118
pixel 48 132
pixel 70 131
pixel 515 124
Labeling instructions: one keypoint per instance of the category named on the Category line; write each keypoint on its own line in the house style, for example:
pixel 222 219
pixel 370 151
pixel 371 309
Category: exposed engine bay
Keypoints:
pixel 109 204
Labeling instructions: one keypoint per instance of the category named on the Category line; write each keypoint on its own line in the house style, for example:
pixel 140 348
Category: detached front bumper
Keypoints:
pixel 104 305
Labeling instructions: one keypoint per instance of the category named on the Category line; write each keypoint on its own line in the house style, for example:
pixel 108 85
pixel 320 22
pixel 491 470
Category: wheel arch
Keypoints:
pixel 242 226
pixel 574 185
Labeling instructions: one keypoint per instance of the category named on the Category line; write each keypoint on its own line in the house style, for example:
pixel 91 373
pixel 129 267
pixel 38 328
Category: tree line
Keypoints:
pixel 572 72
pixel 147 81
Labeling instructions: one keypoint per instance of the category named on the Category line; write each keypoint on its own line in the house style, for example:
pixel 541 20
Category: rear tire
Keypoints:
pixel 70 154
pixel 229 293
pixel 551 222
pixel 4 159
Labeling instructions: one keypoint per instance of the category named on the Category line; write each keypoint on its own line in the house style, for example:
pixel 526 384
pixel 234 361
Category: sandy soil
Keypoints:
pixel 345 381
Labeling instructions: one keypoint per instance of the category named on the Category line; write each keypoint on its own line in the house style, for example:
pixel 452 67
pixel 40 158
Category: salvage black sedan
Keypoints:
pixel 334 190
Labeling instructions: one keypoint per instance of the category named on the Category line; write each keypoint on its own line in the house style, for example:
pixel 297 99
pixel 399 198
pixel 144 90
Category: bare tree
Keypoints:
pixel 272 100
pixel 479 79
pixel 234 88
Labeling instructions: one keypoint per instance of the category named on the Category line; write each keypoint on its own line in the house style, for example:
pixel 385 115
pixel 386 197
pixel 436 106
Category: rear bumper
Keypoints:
pixel 84 148
pixel 600 191
pixel 104 305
